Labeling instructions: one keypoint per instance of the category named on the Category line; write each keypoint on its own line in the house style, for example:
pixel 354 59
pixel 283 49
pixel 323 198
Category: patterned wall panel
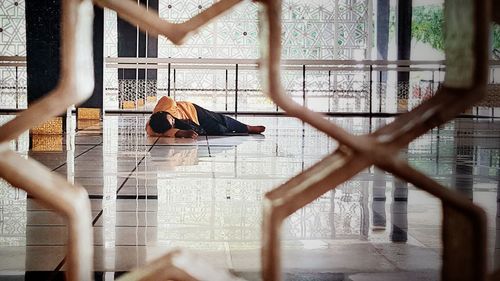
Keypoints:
pixel 12 43
pixel 319 29
pixel 13 28
pixel 316 29
pixel 110 33
pixel 13 201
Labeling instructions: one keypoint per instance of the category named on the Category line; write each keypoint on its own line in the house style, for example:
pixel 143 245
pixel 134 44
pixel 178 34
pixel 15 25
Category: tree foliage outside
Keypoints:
pixel 427 27
pixel 496 41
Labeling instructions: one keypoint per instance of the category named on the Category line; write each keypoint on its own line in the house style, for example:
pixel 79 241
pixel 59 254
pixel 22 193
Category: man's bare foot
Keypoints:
pixel 256 129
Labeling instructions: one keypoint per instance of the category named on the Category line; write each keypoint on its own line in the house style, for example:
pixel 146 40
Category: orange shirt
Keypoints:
pixel 179 109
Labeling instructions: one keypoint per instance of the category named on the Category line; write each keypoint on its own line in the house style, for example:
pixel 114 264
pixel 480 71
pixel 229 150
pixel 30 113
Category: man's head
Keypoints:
pixel 161 121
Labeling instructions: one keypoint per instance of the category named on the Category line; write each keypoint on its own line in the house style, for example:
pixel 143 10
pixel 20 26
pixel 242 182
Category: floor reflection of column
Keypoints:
pixel 378 202
pixel 481 170
pixel 496 259
pixel 333 232
pixel 150 185
pixel 13 218
pixel 464 160
pixel 70 153
pixel 135 150
pixel 213 193
pixel 33 261
pixel 379 217
pixel 110 171
pixel 365 223
pixel 399 211
pixel 151 191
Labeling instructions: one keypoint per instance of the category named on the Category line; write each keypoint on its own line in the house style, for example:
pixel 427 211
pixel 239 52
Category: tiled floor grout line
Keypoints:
pixel 62 165
pixel 65 162
pixel 60 265
pixel 135 168
pixel 97 217
pixel 125 181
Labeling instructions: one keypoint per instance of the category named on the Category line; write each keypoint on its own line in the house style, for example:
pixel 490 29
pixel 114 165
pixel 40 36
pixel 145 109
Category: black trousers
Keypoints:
pixel 218 124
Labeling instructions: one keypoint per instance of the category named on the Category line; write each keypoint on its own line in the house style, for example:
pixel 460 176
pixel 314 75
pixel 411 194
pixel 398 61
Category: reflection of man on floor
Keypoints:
pixel 184 119
pixel 181 155
pixel 173 156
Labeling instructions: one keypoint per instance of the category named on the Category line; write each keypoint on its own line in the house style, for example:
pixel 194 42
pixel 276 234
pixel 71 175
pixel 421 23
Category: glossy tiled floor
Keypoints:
pixel 150 195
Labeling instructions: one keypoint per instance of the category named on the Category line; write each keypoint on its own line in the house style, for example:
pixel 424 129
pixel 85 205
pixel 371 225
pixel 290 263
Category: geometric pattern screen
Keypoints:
pixel 13 95
pixel 312 30
pixel 12 28
pixel 12 43
pixel 316 29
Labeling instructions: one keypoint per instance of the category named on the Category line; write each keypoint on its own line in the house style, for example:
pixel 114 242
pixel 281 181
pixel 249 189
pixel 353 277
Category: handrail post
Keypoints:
pixel 168 81
pixel 432 83
pixel 371 88
pixel 439 80
pixel 329 88
pixel 304 85
pixel 277 107
pixel 236 93
pixel 17 89
pixel 380 90
pixel 136 97
pixel 227 78
pixel 175 80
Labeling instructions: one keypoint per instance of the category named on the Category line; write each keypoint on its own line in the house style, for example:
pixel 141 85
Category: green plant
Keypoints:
pixel 496 41
pixel 427 25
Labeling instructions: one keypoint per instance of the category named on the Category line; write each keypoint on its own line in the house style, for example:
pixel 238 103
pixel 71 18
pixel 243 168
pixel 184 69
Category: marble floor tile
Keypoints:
pixel 151 195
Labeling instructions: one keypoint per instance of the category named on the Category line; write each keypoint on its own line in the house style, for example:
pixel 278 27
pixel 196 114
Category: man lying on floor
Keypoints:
pixel 184 119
